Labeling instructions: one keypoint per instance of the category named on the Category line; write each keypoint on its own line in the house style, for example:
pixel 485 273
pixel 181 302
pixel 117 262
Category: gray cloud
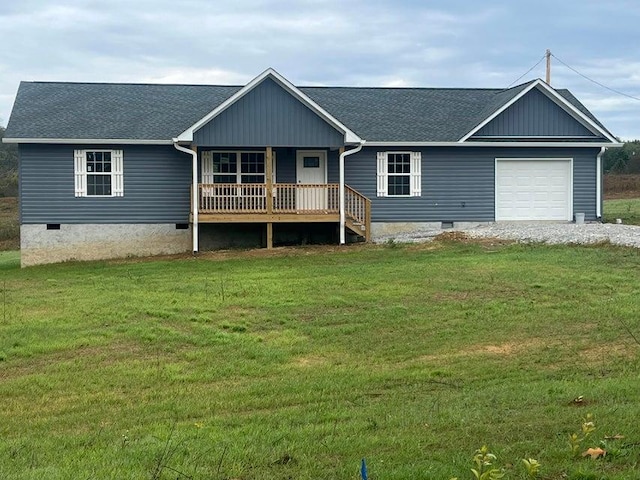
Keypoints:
pixel 328 42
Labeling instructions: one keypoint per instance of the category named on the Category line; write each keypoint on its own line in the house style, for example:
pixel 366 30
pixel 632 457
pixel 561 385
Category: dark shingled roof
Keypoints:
pixel 62 110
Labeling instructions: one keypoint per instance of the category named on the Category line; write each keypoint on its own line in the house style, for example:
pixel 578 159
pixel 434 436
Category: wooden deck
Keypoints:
pixel 282 203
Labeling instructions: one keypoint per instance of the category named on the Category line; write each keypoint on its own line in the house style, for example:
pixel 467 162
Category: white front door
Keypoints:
pixel 311 169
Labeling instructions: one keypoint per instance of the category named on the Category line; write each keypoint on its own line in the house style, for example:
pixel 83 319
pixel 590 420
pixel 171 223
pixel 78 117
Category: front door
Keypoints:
pixel 311 177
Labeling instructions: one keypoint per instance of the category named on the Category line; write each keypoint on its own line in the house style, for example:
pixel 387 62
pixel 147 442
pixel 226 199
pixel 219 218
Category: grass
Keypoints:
pixel 299 364
pixel 627 209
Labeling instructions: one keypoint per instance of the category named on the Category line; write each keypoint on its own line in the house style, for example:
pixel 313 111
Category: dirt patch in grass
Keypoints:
pixel 461 237
pixel 233 254
pixel 309 361
pixel 100 355
pixel 599 354
pixel 506 349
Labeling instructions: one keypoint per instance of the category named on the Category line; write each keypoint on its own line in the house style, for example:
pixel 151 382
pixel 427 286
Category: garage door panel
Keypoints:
pixel 533 189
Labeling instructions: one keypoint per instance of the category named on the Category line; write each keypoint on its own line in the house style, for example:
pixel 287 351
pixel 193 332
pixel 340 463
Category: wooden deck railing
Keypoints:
pixel 305 198
pixel 287 198
pixel 358 210
pixel 232 197
pixel 252 198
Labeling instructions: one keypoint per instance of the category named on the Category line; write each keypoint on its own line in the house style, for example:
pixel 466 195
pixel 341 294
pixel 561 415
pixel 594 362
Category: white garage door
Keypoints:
pixel 533 189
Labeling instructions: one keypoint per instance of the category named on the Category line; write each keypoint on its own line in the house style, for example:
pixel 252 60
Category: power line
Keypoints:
pixel 527 72
pixel 594 81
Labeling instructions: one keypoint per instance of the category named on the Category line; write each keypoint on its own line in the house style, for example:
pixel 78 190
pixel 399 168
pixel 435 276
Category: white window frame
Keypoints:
pixel 207 174
pixel 415 175
pixel 81 173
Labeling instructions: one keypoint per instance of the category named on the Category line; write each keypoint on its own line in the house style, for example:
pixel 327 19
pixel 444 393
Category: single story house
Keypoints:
pixel 113 170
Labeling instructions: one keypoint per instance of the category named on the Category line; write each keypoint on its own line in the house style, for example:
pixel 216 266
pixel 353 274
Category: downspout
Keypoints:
pixel 194 187
pixel 343 236
pixel 599 182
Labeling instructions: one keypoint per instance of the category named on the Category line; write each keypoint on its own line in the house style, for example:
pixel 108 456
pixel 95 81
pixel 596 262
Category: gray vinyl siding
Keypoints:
pixel 458 184
pixel 585 182
pixel 534 115
pixel 268 116
pixel 157 183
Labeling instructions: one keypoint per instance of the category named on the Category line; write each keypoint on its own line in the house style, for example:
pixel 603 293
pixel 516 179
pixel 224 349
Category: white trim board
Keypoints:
pixel 495 144
pixel 88 141
pixel 124 141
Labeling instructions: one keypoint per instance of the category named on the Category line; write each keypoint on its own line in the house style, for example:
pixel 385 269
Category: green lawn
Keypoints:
pixel 627 209
pixel 299 364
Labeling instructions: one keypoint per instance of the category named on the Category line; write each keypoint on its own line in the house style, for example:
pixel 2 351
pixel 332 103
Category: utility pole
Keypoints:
pixel 548 77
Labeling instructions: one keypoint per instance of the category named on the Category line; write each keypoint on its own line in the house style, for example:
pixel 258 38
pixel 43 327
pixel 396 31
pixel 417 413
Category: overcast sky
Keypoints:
pixel 453 43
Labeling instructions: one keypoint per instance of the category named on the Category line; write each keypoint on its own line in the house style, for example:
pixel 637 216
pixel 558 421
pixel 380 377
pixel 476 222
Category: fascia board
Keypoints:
pixel 574 112
pixel 495 144
pixel 95 141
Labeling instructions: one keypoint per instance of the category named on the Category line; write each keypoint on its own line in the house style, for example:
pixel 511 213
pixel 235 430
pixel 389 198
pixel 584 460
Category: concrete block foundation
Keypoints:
pixel 40 245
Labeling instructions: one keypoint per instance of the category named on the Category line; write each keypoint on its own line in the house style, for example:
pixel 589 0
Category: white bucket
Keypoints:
pixel 579 218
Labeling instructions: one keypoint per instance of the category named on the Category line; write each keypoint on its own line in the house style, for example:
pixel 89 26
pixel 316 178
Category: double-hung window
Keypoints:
pixel 399 174
pixel 98 173
pixel 233 167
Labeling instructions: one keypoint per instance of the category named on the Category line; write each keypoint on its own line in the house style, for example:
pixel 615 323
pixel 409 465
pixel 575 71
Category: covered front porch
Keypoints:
pixel 270 154
pixel 276 185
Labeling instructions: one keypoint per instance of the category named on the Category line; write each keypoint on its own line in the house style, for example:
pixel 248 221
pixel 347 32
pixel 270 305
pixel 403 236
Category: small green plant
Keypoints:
pixel 576 440
pixel 391 243
pixel 483 460
pixel 484 470
pixel 532 466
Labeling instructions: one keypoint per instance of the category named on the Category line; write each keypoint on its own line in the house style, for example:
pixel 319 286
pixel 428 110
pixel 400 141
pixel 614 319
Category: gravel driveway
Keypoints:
pixel 628 235
pixel 552 233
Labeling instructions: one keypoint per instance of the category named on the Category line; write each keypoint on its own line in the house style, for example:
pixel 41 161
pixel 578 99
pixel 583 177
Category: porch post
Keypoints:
pixel 268 172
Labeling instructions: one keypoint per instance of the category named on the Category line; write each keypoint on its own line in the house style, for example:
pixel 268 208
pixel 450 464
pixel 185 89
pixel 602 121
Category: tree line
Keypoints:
pixel 8 168
pixel 623 160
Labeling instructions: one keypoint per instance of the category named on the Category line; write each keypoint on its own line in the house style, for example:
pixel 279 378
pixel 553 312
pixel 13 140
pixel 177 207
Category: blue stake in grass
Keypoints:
pixel 363 470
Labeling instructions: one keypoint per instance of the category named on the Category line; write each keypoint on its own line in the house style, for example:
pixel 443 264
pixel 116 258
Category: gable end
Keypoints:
pixel 535 115
pixel 268 115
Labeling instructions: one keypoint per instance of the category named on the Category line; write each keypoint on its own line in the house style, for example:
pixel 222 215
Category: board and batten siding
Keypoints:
pixel 157 182
pixel 534 115
pixel 458 184
pixel 268 115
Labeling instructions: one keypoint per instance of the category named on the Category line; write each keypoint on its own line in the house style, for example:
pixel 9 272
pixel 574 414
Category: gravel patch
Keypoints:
pixel 551 233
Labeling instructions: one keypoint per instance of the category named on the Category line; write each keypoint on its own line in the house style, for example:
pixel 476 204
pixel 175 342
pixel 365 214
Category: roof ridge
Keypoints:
pixel 208 85
pixel 129 84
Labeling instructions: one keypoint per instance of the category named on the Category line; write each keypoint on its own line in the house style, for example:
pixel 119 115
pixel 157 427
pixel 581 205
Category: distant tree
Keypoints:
pixel 623 160
pixel 633 165
pixel 8 168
